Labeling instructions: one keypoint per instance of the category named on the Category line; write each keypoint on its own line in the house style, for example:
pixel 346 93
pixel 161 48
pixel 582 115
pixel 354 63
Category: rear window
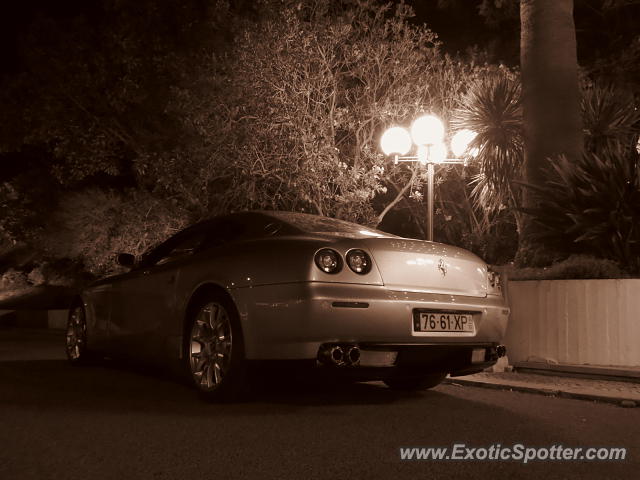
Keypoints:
pixel 317 224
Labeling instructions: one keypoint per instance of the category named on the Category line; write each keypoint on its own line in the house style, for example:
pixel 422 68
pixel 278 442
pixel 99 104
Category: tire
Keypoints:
pixel 76 337
pixel 214 350
pixel 415 383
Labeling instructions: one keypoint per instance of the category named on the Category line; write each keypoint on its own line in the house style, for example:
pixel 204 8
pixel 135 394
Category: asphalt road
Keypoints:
pixel 114 422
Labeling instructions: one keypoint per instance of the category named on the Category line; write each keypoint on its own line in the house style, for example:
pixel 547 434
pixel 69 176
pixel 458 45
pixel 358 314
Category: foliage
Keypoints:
pixel 36 276
pixel 610 118
pixel 93 94
pixel 60 272
pixel 489 233
pixel 13 214
pixel 314 85
pixel 592 206
pixel 24 201
pixel 88 108
pixel 574 267
pixel 279 108
pixel 185 110
pixel 492 108
pixel 485 219
pixel 613 56
pixel 13 280
pixel 93 225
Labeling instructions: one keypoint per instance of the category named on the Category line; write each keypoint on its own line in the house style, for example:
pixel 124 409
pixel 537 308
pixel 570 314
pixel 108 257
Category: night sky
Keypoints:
pixel 460 24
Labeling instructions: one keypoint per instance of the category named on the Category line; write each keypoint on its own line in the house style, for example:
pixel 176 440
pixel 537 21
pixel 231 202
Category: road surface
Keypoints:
pixel 115 422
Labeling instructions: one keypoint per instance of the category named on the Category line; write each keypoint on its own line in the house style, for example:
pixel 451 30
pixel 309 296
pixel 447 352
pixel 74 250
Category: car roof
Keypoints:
pixel 292 223
pixel 309 223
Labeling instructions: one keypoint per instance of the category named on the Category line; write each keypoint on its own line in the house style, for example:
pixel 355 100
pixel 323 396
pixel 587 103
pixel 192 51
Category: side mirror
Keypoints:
pixel 126 260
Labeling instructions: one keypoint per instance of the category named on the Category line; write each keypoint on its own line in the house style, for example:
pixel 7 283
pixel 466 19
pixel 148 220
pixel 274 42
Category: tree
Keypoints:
pixel 280 106
pixel 87 107
pixel 551 101
pixel 492 108
pixel 93 88
pixel 314 85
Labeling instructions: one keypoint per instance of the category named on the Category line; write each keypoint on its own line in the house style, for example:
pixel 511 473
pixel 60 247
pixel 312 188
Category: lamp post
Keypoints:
pixel 427 133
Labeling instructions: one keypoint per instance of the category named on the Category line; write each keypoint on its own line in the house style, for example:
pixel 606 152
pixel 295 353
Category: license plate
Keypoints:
pixel 444 322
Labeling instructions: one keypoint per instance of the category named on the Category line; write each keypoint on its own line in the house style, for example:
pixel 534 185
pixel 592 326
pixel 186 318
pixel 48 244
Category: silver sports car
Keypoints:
pixel 253 287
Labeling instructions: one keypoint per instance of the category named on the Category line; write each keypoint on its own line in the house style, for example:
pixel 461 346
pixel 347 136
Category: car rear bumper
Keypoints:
pixel 408 361
pixel 292 321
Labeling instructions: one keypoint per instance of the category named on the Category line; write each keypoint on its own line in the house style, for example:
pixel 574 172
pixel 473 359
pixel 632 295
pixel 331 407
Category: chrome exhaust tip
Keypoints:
pixel 332 355
pixel 336 354
pixel 339 355
pixel 352 355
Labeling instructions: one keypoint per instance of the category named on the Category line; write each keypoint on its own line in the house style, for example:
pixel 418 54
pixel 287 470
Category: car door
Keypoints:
pixel 98 300
pixel 145 299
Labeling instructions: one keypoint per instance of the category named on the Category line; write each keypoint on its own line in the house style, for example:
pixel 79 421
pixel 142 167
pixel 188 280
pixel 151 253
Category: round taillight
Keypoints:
pixel 329 261
pixel 359 261
pixel 494 279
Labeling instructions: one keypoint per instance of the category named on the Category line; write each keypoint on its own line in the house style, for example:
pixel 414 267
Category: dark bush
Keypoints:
pixel 92 226
pixel 13 280
pixel 592 207
pixel 574 267
pixel 610 119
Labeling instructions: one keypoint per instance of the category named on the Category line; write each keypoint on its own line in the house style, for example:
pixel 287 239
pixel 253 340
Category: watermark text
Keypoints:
pixel 517 452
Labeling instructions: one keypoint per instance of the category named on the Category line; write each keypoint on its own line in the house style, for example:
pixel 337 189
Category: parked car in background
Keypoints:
pixel 317 292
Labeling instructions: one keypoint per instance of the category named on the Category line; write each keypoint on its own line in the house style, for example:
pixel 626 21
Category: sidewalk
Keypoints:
pixel 625 394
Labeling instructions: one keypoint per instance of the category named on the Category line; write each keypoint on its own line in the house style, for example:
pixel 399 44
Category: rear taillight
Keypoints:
pixel 359 261
pixel 329 261
pixel 495 283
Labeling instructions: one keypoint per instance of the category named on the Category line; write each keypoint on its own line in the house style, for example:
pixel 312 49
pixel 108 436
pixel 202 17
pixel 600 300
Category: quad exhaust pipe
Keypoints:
pixel 336 355
pixel 344 355
pixel 352 355
pixel 339 355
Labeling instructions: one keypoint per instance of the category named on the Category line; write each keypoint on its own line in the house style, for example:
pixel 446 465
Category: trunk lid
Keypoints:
pixel 421 266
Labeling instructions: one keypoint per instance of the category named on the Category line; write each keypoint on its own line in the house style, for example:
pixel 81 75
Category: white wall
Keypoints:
pixel 595 322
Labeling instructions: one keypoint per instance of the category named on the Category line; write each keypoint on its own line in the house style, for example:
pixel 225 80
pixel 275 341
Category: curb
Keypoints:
pixel 597 372
pixel 549 392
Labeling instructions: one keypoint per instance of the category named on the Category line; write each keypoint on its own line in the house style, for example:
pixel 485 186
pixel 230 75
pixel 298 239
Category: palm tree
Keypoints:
pixel 492 108
pixel 550 95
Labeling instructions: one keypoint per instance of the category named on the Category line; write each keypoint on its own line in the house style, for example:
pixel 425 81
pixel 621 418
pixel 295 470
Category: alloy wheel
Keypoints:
pixel 76 334
pixel 210 346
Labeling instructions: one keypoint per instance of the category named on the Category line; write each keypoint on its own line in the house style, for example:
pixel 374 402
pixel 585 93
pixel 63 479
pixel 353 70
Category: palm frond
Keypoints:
pixel 592 205
pixel 492 108
pixel 610 118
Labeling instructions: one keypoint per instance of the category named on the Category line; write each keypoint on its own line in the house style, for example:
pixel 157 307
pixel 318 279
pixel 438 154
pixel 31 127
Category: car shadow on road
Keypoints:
pixel 118 387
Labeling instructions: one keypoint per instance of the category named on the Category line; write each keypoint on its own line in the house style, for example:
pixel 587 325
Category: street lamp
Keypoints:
pixel 427 133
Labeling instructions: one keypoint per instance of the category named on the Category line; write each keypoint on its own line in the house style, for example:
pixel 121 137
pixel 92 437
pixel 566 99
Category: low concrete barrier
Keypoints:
pixel 57 318
pixel 53 319
pixel 583 322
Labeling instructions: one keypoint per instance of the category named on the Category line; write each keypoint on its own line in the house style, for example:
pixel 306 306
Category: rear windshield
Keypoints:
pixel 317 224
